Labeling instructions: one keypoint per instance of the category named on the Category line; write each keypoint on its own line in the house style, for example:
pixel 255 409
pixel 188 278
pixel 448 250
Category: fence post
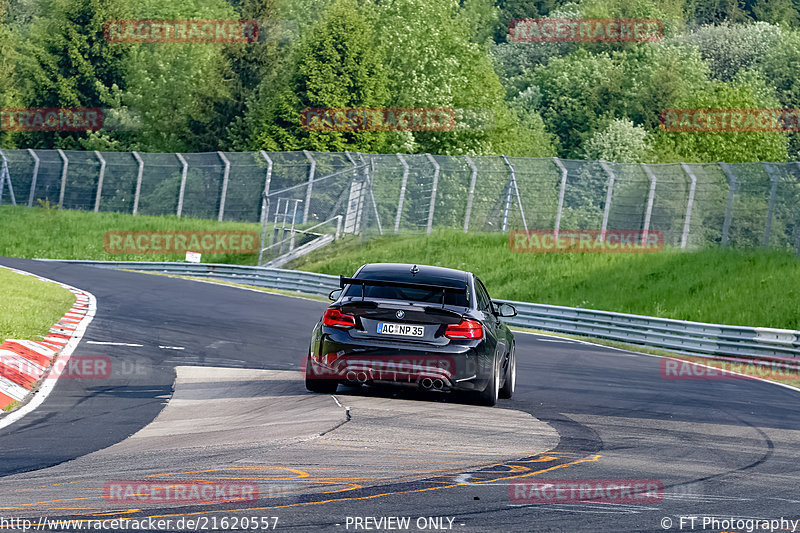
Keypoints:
pixel 471 196
pixel 183 183
pixel 224 193
pixel 798 230
pixel 64 167
pixel 264 195
pixel 7 174
pixel 99 181
pixel 687 220
pixel 369 186
pixel 2 176
pixel 609 196
pixel 402 193
pixel 35 176
pixel 650 197
pixel 561 191
pixel 433 191
pixel 774 178
pixel 264 206
pixel 513 182
pixel 138 182
pixel 726 226
pixel 310 184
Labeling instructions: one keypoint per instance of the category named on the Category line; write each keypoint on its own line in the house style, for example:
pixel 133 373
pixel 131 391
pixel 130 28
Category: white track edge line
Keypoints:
pixel 49 384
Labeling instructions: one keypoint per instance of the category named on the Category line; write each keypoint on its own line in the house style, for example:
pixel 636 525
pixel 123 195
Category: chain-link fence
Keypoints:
pixel 693 205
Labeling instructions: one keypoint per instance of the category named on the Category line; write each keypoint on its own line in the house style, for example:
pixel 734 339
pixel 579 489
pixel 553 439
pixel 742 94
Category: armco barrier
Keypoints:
pixel 674 335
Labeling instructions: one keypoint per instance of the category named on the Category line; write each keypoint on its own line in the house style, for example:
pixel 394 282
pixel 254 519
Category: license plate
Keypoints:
pixel 400 329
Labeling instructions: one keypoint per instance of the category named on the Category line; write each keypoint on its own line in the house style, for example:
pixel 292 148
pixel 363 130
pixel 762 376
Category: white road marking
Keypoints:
pixel 108 343
pixel 171 347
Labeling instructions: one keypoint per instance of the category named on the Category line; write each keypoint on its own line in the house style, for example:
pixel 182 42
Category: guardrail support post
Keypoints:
pixel 561 190
pixel 471 195
pixel 402 193
pixel 609 196
pixel 513 182
pixel 768 226
pixel 138 182
pixel 433 191
pixel 689 203
pixel 650 197
pixel 99 181
pixel 224 193
pixel 311 171
pixel 183 183
pixel 726 226
pixel 35 176
pixel 64 167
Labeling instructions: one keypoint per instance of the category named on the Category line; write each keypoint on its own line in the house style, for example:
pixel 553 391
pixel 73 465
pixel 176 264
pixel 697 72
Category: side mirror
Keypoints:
pixel 506 310
pixel 334 294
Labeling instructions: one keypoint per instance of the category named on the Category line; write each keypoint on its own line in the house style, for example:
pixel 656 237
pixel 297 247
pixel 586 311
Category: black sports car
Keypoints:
pixel 422 326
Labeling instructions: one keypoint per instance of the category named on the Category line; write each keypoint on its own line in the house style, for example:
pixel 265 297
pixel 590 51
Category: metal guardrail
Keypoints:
pixel 680 336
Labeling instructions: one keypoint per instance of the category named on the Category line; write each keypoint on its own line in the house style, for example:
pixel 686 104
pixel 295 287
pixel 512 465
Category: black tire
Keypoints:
pixel 507 390
pixel 325 386
pixel 489 395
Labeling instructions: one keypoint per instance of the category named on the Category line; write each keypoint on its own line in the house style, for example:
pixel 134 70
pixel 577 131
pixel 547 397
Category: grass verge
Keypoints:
pixel 29 307
pixel 724 286
pixel 41 233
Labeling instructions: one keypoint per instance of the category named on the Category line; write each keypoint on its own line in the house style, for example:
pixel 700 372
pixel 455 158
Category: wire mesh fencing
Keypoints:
pixel 693 205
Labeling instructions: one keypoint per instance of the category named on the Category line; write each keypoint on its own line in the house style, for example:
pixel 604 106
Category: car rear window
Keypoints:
pixel 412 294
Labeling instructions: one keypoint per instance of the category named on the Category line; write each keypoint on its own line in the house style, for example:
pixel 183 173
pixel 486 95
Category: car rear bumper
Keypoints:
pixel 450 368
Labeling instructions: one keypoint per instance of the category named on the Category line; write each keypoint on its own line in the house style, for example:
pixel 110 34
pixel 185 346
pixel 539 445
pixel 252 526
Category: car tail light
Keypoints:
pixel 467 329
pixel 334 317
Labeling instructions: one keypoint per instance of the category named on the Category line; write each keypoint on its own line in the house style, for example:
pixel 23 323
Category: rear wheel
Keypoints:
pixel 488 396
pixel 507 391
pixel 326 386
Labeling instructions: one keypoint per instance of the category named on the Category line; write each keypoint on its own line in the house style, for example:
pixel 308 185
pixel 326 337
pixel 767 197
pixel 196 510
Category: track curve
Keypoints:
pixel 723 448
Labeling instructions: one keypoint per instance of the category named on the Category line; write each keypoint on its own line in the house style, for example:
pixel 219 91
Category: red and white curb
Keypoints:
pixel 24 363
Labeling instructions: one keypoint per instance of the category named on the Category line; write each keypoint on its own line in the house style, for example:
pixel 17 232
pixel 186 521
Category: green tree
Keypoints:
pixel 621 141
pixel 8 84
pixel 338 66
pixel 748 91
pixel 66 61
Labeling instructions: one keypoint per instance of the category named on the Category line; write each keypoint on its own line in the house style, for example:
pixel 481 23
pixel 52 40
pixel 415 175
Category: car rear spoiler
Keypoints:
pixel 343 281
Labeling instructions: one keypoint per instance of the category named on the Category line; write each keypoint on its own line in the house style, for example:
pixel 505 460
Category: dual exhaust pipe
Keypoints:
pixel 432 384
pixel 436 384
pixel 358 377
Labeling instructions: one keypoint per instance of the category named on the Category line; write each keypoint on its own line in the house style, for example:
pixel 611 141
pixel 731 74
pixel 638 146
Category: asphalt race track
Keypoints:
pixel 210 390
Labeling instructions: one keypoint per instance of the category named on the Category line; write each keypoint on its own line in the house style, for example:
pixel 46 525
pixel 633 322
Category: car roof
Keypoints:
pixel 424 274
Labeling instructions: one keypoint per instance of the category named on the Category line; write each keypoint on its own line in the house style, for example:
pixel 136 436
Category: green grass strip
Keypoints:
pixel 29 307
